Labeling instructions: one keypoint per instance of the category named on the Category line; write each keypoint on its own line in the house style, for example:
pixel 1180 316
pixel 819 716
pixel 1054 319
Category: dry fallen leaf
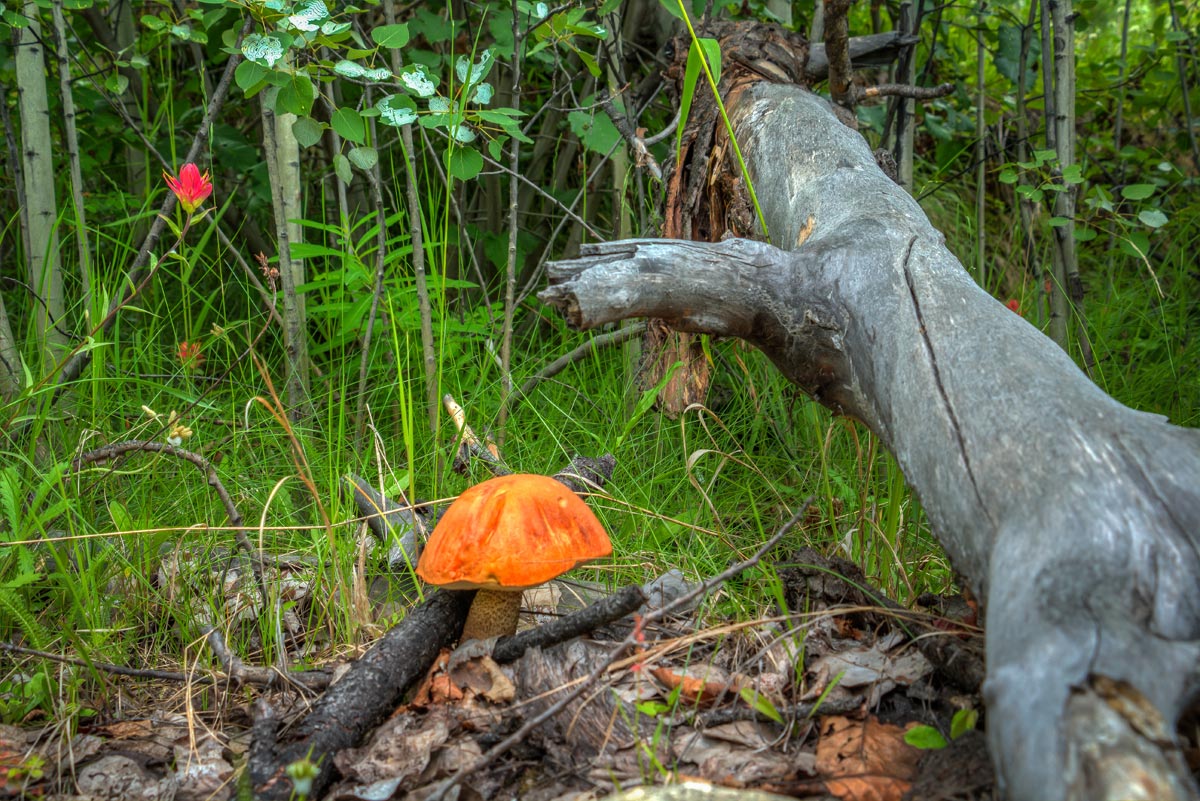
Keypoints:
pixel 702 685
pixel 865 760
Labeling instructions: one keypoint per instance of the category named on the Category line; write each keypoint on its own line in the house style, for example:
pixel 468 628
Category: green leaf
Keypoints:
pixel 391 36
pixel 1085 234
pixel 296 96
pixel 1059 222
pixel 264 50
pixel 926 738
pixel 249 74
pixel 760 704
pixel 363 157
pixel 397 110
pixel 464 163
pixel 418 79
pixel 1152 218
pixel 152 22
pixel 1137 191
pixel 483 94
pixel 14 19
pixel 306 14
pixel 349 125
pixel 307 131
pixel 1008 176
pixel 349 69
pixel 116 83
pixel 1008 51
pixel 1073 174
pixel 595 130
pixel 341 167
pixel 468 73
pixel 964 720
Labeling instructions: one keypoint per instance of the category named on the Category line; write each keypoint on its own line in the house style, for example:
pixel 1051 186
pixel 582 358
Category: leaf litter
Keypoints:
pixel 811 703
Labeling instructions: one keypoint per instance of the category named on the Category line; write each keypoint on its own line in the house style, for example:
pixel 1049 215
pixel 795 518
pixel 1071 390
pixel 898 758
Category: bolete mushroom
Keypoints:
pixel 504 536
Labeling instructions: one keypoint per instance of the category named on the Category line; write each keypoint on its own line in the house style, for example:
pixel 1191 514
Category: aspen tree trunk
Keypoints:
pixel 510 262
pixel 41 254
pixel 283 165
pixel 906 105
pixel 416 234
pixel 980 150
pixel 1024 204
pixel 10 358
pixel 72 147
pixel 1059 311
pixel 1064 144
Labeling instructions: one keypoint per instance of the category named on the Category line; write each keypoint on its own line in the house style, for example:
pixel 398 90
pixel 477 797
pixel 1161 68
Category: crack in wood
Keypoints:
pixel 955 426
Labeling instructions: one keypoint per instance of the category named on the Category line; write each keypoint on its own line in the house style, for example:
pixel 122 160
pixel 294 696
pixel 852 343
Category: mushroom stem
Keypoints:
pixel 493 614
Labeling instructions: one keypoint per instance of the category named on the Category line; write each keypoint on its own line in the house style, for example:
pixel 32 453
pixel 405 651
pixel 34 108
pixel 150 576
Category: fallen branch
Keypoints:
pixel 360 701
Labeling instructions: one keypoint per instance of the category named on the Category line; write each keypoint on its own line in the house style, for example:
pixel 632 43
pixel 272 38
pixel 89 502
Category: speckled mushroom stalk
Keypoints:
pixel 493 613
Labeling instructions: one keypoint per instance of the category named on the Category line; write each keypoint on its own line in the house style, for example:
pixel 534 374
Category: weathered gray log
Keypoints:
pixel 1075 519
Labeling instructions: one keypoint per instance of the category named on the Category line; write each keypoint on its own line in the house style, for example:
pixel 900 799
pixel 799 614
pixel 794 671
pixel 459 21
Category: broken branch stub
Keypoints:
pixel 1075 519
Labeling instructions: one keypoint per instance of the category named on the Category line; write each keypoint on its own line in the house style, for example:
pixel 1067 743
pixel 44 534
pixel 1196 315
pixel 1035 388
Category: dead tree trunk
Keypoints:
pixel 1075 519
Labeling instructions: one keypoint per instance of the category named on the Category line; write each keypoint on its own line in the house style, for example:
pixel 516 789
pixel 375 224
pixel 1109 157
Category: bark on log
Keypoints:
pixel 1075 519
pixel 358 702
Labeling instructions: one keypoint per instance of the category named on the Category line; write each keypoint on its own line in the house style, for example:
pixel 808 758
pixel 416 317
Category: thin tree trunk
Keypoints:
pixel 907 75
pixel 1057 281
pixel 41 257
pixel 510 265
pixel 283 166
pixel 1064 144
pixel 1024 204
pixel 360 404
pixel 72 146
pixel 1181 66
pixel 416 234
pixel 1122 71
pixel 980 150
pixel 10 358
pixel 816 32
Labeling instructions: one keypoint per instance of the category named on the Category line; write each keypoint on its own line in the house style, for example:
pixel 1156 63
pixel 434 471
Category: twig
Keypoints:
pixel 118 449
pixel 523 732
pixel 266 677
pixel 555 367
pixel 612 607
pixel 510 263
pixel 904 90
pixel 375 180
pixel 641 155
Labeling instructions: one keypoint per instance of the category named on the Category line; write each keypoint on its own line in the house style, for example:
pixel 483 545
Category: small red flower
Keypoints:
pixel 190 187
pixel 1014 305
pixel 190 355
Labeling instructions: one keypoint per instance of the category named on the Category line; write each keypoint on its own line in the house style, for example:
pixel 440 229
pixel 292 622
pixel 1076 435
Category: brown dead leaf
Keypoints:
pixel 437 688
pixel 865 760
pixel 484 678
pixel 703 685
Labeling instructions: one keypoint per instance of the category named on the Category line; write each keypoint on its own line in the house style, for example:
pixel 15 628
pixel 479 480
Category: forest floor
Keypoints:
pixel 837 694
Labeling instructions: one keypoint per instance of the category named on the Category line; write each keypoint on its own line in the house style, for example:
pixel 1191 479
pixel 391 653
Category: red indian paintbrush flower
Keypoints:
pixel 190 187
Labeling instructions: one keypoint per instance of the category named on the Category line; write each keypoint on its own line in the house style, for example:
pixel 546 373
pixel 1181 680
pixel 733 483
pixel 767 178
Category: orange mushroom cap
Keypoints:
pixel 511 532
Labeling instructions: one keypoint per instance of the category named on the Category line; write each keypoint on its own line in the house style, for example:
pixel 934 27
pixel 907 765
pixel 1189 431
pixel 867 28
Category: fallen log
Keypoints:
pixel 1075 520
